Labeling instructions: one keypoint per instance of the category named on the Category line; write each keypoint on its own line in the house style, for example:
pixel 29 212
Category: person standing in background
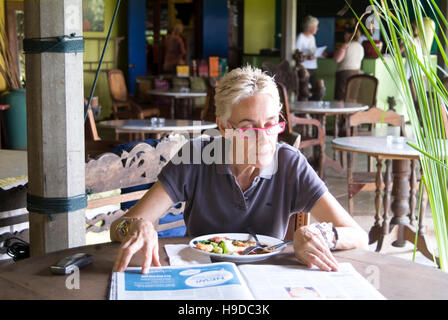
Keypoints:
pixel 174 49
pixel 349 58
pixel 306 43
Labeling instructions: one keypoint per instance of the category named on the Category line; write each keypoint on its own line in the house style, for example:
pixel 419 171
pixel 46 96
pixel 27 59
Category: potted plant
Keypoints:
pixel 15 116
pixel 408 27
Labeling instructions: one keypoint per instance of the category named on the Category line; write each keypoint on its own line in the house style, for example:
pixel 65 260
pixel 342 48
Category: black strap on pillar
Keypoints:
pixel 62 44
pixel 51 206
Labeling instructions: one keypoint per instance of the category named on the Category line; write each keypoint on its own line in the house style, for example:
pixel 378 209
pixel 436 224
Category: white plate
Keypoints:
pixel 238 236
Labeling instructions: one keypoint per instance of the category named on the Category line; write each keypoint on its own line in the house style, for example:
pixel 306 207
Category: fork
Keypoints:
pixel 254 235
pixel 275 246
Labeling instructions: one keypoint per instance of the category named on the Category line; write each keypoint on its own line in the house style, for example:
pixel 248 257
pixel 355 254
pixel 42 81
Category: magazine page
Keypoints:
pixel 276 282
pixel 217 281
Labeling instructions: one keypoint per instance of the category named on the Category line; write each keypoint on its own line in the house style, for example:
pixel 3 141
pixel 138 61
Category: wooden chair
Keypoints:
pixel 288 82
pixel 362 88
pixel 296 221
pixel 365 181
pixel 293 138
pixel 208 112
pixel 94 145
pixel 124 105
pixel 283 74
pixel 106 175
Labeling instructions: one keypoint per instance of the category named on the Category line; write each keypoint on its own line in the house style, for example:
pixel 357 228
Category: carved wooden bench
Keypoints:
pixel 106 175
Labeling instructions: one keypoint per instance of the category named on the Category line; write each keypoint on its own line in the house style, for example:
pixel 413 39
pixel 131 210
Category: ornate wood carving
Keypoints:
pixel 106 220
pixel 139 166
pixel 109 171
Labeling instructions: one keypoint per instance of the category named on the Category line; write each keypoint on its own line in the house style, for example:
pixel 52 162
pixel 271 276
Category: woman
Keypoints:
pixel 174 49
pixel 349 58
pixel 259 184
pixel 306 43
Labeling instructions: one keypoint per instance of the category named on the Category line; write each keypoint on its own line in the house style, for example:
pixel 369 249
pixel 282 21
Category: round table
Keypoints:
pixel 31 278
pixel 400 228
pixel 159 129
pixel 176 96
pixel 322 109
pixel 327 107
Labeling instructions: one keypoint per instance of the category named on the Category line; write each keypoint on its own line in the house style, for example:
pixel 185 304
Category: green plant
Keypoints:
pixel 407 30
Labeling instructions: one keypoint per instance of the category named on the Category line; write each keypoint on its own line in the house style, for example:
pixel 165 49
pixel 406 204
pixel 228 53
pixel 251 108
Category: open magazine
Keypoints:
pixel 226 281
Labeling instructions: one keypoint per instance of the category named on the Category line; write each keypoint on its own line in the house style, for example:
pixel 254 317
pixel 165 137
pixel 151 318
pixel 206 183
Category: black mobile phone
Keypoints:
pixel 68 264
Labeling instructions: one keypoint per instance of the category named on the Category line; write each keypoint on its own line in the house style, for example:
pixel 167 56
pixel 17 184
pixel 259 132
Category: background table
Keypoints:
pixel 176 96
pixel 400 228
pixel 169 126
pixel 323 109
pixel 31 278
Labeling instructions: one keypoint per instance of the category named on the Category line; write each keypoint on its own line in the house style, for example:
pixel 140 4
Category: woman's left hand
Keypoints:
pixel 311 249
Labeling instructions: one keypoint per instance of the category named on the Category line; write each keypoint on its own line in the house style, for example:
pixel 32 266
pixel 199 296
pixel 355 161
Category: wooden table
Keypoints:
pixel 323 109
pixel 401 227
pixel 159 129
pixel 176 96
pixel 31 278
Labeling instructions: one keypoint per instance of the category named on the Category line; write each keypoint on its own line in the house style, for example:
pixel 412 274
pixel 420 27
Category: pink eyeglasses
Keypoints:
pixel 254 133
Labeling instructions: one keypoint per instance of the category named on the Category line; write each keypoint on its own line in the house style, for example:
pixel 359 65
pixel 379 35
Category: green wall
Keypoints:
pixel 93 50
pixel 259 25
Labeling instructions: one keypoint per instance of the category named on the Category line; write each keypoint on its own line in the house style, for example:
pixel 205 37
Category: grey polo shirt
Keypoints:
pixel 215 202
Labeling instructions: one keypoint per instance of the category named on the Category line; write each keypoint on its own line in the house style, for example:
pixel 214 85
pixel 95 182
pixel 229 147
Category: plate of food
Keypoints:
pixel 229 246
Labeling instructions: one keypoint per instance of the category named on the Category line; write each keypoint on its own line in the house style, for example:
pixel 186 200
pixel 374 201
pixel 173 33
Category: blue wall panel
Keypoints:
pixel 136 41
pixel 215 29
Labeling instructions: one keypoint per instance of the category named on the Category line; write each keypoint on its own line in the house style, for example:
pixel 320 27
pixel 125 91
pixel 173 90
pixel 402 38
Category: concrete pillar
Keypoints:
pixel 289 23
pixel 55 106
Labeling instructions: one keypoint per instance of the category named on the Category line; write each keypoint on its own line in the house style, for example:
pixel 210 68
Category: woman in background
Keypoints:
pixel 306 43
pixel 174 49
pixel 349 58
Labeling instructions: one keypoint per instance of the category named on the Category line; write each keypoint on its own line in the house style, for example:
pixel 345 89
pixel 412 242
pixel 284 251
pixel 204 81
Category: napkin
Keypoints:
pixel 182 254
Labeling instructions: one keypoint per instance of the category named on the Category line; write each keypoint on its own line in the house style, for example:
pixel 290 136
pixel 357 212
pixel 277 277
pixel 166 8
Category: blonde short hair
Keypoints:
pixel 309 21
pixel 242 83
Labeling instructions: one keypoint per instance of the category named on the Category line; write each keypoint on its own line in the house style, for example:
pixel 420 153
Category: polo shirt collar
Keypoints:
pixel 266 172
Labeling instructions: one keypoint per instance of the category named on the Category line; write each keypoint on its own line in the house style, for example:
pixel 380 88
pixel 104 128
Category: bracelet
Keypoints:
pixel 329 233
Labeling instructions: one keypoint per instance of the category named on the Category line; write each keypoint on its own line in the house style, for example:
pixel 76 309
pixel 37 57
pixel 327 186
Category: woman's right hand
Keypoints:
pixel 311 249
pixel 143 237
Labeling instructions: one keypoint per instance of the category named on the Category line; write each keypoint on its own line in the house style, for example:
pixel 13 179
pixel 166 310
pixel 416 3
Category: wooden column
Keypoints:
pixel 289 33
pixel 55 107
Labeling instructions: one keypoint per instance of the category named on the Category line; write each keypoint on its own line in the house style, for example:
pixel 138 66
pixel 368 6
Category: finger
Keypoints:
pixel 120 253
pixel 128 253
pixel 315 260
pixel 324 258
pixel 155 257
pixel 322 251
pixel 147 256
pixel 326 250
